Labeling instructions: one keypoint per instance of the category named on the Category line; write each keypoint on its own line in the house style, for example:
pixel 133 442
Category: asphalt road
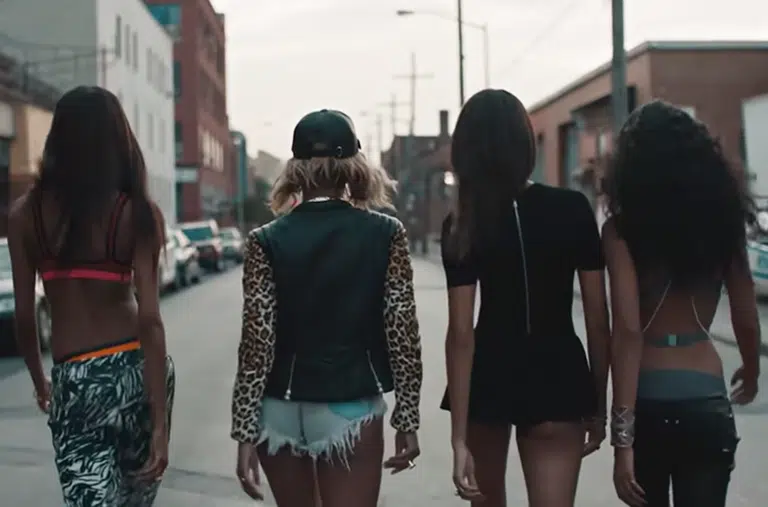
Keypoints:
pixel 202 324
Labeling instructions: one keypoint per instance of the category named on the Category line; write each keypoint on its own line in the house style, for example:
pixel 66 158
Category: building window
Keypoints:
pixel 118 36
pixel 169 16
pixel 177 79
pixel 161 135
pixel 127 44
pixel 136 119
pixel 150 64
pixel 135 51
pixel 151 131
pixel 160 83
pixel 179 141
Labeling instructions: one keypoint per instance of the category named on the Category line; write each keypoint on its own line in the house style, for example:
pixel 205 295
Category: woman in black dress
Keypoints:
pixel 523 364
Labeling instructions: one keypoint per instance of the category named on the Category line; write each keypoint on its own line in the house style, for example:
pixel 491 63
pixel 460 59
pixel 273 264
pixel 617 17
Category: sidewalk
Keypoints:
pixel 721 326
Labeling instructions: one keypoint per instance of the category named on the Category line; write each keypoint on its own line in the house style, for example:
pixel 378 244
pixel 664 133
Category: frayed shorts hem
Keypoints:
pixel 320 431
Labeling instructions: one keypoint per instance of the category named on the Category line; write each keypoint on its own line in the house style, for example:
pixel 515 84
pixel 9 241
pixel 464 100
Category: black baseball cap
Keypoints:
pixel 325 133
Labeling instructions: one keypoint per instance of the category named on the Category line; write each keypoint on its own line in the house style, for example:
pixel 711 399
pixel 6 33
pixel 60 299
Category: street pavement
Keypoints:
pixel 203 328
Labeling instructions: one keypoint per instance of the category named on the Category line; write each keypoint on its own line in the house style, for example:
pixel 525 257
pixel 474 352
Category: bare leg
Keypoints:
pixel 291 478
pixel 551 458
pixel 359 485
pixel 489 445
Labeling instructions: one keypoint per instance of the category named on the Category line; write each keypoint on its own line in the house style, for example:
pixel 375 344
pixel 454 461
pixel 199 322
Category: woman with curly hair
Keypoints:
pixel 675 235
pixel 329 326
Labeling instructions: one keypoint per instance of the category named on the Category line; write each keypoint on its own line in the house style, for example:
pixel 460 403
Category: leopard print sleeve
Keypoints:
pixel 402 330
pixel 257 343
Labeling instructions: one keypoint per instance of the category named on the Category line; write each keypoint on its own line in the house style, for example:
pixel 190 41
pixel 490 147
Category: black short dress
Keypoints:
pixel 529 364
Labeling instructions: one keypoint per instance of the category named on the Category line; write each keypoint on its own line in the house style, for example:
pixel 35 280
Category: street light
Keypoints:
pixel 482 27
pixel 239 140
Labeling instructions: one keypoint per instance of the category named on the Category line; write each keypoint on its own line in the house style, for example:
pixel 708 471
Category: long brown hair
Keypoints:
pixel 90 154
pixel 493 152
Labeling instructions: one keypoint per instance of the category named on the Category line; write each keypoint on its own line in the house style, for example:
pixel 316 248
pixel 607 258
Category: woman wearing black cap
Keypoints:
pixel 523 365
pixel 329 326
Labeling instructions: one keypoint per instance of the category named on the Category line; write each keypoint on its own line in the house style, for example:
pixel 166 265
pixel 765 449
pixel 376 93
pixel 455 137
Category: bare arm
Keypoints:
pixel 593 298
pixel 459 354
pixel 24 280
pixel 591 270
pixel 627 341
pixel 151 330
pixel 461 278
pixel 256 352
pixel 402 330
pixel 744 317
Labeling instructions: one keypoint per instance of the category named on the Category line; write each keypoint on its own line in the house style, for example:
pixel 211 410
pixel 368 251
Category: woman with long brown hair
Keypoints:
pixel 523 364
pixel 89 229
pixel 329 326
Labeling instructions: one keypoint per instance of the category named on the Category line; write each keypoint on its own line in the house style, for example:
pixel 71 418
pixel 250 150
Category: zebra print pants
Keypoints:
pixel 101 428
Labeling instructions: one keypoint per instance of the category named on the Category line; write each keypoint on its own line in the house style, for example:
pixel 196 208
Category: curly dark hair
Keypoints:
pixel 674 198
pixel 493 152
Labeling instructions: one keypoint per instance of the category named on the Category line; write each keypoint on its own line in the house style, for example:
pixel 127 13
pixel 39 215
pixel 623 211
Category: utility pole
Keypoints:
pixel 412 190
pixel 413 77
pixel 368 143
pixel 379 136
pixel 619 100
pixel 460 23
pixel 104 52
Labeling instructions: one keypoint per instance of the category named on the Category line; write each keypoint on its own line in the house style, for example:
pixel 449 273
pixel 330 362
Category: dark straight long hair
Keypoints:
pixel 91 154
pixel 493 153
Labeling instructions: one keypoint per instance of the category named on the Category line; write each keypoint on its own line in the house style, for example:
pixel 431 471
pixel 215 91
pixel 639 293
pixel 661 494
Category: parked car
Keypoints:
pixel 188 269
pixel 8 305
pixel 166 265
pixel 205 237
pixel 232 242
pixel 757 252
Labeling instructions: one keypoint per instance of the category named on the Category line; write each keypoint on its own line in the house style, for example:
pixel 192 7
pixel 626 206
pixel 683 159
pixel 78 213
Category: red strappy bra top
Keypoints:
pixel 110 269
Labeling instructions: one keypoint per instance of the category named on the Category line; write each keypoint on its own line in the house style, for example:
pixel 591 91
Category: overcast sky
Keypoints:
pixel 288 57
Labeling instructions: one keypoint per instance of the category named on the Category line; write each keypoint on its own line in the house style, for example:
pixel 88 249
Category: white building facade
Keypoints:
pixel 116 44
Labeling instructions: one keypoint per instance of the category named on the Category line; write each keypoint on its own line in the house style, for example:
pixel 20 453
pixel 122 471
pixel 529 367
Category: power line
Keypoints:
pixel 545 32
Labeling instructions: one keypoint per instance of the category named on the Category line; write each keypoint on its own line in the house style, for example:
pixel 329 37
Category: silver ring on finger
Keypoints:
pixel 411 464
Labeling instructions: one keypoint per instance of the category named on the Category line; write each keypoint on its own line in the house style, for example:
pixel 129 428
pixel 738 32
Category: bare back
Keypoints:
pixel 683 315
pixel 86 313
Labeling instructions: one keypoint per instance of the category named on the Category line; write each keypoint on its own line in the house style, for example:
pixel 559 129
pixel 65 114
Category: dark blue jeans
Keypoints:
pixel 690 443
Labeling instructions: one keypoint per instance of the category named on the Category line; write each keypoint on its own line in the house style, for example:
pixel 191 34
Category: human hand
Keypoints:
pixel 406 451
pixel 248 470
pixel 155 466
pixel 744 384
pixel 43 396
pixel 464 474
pixel 595 435
pixel 627 488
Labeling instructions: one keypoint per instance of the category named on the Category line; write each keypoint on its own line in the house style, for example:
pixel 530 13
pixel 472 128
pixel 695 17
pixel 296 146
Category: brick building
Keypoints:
pixel 205 172
pixel 418 169
pixel 26 112
pixel 709 79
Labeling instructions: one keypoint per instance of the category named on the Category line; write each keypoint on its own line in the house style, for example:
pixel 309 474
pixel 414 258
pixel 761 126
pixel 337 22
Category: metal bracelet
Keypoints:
pixel 622 427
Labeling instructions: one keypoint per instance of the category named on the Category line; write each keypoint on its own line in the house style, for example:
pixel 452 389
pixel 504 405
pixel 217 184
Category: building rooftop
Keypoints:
pixel 681 45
